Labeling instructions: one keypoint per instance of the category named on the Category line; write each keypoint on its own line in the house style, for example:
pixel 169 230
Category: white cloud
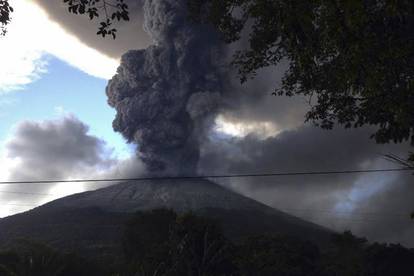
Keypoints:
pixel 7 165
pixel 18 66
pixel 31 37
pixel 63 149
pixel 60 111
pixel 242 128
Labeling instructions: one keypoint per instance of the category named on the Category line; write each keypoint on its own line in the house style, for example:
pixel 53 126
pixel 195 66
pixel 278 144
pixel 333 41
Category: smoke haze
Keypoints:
pixel 187 114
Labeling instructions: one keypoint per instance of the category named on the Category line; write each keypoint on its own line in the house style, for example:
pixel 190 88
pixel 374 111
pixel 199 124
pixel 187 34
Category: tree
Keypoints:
pixel 354 60
pixel 199 247
pixel 277 255
pixel 159 242
pixel 388 259
pixel 113 10
pixel 108 11
pixel 349 255
pixel 32 258
pixel 345 255
pixel 146 241
pixel 5 10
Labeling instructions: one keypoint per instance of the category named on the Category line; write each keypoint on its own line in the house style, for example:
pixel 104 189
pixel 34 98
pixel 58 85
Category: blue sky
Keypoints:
pixel 48 76
pixel 61 90
pixel 49 73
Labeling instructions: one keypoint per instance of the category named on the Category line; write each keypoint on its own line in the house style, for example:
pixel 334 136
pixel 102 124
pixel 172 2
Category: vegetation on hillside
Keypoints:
pixel 160 242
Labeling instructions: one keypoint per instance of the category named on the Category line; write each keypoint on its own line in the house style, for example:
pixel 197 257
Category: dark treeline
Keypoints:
pixel 160 242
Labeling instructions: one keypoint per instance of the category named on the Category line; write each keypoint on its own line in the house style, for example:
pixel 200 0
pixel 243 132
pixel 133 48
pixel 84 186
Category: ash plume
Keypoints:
pixel 166 95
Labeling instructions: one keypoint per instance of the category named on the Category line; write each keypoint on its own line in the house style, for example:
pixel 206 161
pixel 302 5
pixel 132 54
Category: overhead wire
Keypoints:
pixel 272 174
pixel 190 177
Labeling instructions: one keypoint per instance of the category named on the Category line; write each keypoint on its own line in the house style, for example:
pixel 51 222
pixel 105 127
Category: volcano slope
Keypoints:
pixel 92 222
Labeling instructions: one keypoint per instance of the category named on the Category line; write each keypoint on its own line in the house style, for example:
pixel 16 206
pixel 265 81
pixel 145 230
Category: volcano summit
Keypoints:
pixel 94 220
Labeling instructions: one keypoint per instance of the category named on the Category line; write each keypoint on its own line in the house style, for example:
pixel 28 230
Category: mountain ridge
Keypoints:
pixel 93 221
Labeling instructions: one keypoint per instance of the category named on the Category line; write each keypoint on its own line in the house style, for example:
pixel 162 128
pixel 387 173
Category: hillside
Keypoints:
pixel 93 221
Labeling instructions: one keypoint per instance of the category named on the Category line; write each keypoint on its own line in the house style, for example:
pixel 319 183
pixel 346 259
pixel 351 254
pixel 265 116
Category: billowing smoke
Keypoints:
pixel 166 95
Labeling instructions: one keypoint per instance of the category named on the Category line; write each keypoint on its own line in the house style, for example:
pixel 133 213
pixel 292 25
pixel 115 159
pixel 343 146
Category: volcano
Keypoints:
pixel 92 222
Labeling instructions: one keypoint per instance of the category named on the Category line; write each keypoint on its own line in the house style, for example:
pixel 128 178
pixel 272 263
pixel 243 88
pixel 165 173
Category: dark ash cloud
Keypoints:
pixel 167 98
pixel 166 95
pixel 363 203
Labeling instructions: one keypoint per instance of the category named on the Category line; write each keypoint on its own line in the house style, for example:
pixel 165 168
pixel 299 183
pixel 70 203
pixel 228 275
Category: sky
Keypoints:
pixel 48 74
pixel 57 124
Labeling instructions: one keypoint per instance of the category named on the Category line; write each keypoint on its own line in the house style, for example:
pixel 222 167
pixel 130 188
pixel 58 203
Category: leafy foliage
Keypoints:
pixel 385 260
pixel 200 248
pixel 5 11
pixel 277 255
pixel 345 256
pixel 146 241
pixel 353 59
pixel 115 10
pixel 160 242
pixel 108 11
pixel 196 246
pixel 352 256
pixel 30 258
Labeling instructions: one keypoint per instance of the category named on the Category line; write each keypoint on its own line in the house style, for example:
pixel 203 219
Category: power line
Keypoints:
pixel 205 176
pixel 186 177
